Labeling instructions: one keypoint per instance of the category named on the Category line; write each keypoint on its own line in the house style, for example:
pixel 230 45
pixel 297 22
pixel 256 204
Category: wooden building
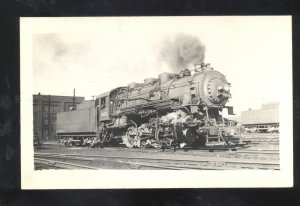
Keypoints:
pixel 267 116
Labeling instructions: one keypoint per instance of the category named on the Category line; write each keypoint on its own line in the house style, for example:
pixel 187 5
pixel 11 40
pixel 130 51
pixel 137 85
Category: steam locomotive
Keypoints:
pixel 174 110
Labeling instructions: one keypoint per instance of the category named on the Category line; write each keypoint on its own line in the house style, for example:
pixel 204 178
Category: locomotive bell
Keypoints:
pixel 186 72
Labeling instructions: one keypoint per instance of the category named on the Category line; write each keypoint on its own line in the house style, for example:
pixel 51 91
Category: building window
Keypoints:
pixel 45 108
pixel 54 108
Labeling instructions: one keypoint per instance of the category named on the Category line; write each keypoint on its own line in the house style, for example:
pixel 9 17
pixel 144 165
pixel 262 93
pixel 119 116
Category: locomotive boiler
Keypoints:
pixel 180 110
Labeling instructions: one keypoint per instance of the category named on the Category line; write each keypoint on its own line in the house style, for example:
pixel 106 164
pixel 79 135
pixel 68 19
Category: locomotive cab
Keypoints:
pixel 103 107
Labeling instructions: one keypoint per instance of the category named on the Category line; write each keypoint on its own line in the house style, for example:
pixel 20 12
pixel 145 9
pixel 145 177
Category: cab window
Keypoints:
pixel 102 103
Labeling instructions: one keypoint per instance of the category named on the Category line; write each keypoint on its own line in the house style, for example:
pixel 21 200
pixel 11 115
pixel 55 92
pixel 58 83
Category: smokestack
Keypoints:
pixel 183 52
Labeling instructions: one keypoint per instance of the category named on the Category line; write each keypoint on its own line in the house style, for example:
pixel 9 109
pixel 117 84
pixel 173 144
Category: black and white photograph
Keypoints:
pixel 156 102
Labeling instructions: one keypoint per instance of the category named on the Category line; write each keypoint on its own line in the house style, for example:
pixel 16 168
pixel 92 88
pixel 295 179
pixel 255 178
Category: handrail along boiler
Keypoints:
pixel 175 109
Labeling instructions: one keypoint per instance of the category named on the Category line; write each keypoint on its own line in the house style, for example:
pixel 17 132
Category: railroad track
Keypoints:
pixel 52 161
pixel 42 162
pixel 261 139
pixel 121 162
pixel 273 140
pixel 245 153
pixel 259 151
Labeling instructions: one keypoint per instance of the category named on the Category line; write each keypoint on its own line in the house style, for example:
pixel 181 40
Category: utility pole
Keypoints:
pixel 74 99
pixel 48 118
pixel 42 103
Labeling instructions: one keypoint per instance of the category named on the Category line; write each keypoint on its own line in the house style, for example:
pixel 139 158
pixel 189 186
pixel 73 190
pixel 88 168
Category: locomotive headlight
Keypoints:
pixel 226 87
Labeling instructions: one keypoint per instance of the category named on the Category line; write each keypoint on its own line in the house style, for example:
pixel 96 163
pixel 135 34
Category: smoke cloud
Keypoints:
pixel 182 52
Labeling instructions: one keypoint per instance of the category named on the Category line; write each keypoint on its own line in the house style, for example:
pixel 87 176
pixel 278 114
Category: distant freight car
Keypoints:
pixel 78 126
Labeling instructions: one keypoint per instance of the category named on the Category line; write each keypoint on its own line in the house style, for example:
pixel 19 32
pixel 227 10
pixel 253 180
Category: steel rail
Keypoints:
pixel 257 152
pixel 260 137
pixel 261 140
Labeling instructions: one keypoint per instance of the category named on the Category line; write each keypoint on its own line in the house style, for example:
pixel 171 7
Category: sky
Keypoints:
pixel 99 54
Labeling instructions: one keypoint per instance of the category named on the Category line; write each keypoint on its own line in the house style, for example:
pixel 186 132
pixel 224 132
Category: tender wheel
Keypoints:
pixel 69 143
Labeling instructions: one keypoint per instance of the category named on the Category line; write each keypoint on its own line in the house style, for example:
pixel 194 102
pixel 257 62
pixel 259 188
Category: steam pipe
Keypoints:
pixel 109 124
pixel 181 107
pixel 134 123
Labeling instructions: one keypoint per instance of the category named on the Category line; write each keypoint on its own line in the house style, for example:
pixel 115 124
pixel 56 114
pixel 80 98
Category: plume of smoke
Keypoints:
pixel 182 52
